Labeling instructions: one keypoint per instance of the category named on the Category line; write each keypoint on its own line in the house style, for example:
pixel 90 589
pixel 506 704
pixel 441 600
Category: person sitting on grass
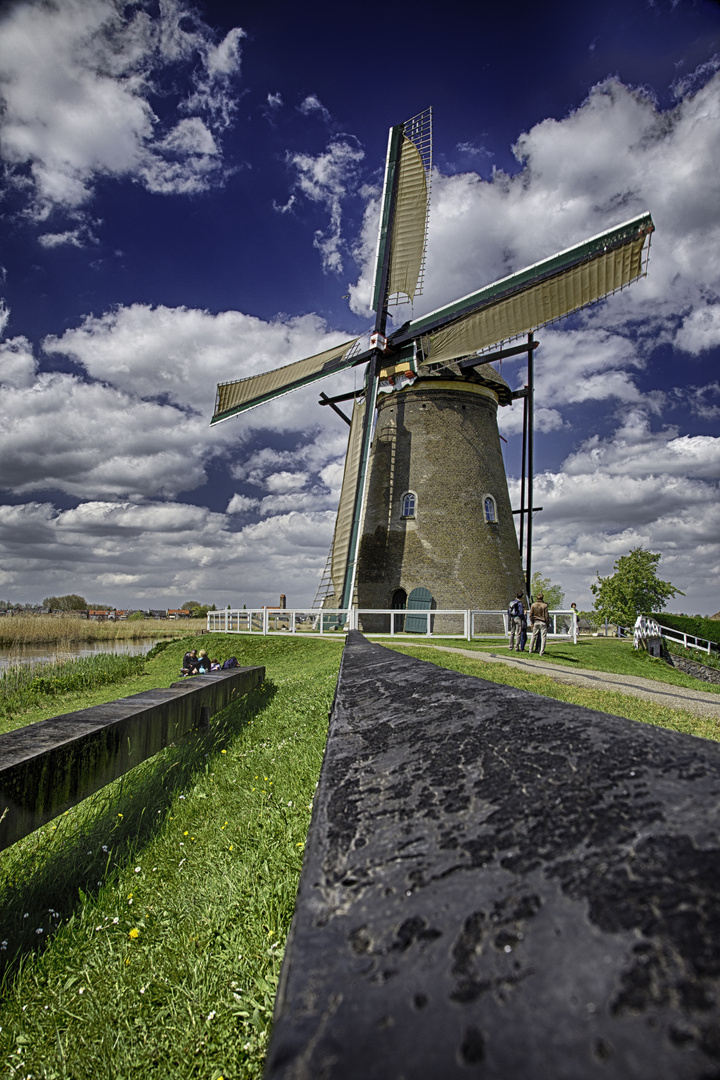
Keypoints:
pixel 203 663
pixel 190 662
pixel 215 665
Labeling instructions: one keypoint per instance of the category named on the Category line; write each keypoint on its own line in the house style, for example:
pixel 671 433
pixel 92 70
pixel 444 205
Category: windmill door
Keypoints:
pixel 418 600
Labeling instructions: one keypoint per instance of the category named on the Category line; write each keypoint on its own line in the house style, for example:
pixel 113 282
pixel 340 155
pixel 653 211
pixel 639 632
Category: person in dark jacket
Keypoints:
pixel 190 662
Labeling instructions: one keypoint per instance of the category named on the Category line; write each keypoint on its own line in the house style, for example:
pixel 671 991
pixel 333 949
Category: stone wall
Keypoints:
pixel 439 440
pixel 46 768
pixel 692 667
pixel 498 884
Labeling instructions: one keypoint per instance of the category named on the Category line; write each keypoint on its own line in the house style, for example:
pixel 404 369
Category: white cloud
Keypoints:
pixel 700 330
pixel 154 552
pixel 327 179
pixel 637 487
pixel 241 504
pixel 91 440
pixel 312 104
pixel 153 351
pixel 17 363
pixel 282 482
pixel 76 79
pixel 69 238
pixel 136 423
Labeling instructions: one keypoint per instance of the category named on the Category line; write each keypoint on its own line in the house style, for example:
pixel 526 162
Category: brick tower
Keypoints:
pixel 438 513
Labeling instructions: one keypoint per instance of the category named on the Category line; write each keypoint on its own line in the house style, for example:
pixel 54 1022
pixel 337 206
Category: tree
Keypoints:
pixel 632 589
pixel 70 602
pixel 553 595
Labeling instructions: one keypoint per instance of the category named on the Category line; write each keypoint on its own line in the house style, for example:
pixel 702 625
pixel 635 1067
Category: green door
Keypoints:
pixel 418 600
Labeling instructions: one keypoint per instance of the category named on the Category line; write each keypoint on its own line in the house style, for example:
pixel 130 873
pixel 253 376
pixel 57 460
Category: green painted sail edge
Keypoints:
pixel 596 245
pixel 393 154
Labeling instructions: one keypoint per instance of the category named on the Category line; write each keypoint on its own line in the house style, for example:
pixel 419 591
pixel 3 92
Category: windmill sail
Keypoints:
pixel 536 296
pixel 243 394
pixel 344 520
pixel 405 207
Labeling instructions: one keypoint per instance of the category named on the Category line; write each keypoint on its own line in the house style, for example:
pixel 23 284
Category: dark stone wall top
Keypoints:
pixel 47 767
pixel 501 885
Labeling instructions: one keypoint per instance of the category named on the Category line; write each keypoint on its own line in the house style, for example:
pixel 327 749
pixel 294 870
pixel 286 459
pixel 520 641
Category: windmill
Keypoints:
pixel 424 517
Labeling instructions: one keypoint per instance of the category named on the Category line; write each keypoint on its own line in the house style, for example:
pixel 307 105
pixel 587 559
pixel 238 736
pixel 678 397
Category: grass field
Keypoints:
pixel 64 632
pixel 142 932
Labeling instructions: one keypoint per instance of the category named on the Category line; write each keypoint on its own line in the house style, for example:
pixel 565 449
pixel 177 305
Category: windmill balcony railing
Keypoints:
pixel 462 623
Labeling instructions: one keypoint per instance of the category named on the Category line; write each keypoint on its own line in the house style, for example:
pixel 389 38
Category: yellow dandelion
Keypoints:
pixel 134 933
pixel 119 815
pixel 185 833
pixel 230 848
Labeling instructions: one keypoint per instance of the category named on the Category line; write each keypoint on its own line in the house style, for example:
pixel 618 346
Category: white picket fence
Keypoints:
pixel 380 622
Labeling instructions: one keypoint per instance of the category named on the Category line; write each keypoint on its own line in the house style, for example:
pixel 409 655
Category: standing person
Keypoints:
pixel 523 632
pixel 539 619
pixel 515 615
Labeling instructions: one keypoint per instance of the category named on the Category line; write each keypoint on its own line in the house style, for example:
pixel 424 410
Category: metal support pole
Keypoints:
pixel 531 464
pixel 522 476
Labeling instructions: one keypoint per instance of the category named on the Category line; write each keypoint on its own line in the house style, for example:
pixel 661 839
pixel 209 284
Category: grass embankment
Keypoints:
pixel 27 686
pixel 142 932
pixel 616 660
pixel 69 630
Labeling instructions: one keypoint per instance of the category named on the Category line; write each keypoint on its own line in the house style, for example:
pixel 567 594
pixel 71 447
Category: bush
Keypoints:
pixel 690 624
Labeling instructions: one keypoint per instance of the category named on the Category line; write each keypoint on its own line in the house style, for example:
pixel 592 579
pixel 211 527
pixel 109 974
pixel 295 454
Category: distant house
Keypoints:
pixel 178 613
pixel 717 616
pixel 99 615
pixel 157 613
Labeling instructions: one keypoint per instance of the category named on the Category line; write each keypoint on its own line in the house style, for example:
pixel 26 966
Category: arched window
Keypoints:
pixel 409 501
pixel 490 509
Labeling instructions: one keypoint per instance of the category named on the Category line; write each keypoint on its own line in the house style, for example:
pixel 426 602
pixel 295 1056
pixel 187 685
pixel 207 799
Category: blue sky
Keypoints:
pixel 190 195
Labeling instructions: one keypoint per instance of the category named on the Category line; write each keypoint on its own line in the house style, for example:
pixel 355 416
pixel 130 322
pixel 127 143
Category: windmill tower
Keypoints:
pixel 424 517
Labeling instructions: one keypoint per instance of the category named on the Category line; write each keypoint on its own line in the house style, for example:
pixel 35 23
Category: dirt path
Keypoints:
pixel 699 702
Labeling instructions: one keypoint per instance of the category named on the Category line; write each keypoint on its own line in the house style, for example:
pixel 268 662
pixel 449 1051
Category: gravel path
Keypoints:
pixel 699 702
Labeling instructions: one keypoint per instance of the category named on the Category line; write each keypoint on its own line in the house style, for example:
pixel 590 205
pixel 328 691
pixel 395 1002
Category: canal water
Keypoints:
pixel 33 654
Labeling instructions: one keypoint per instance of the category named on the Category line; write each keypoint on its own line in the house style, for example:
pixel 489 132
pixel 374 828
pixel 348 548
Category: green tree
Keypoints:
pixel 70 602
pixel 553 594
pixel 632 589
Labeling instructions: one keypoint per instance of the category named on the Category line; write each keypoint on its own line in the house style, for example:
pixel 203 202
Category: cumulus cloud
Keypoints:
pixel 17 362
pixel 153 351
pixel 241 504
pixel 77 78
pixel 327 179
pixel 123 426
pixel 158 550
pixel 635 487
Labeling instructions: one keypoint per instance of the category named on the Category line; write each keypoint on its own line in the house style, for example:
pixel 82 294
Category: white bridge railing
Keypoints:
pixel 380 622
